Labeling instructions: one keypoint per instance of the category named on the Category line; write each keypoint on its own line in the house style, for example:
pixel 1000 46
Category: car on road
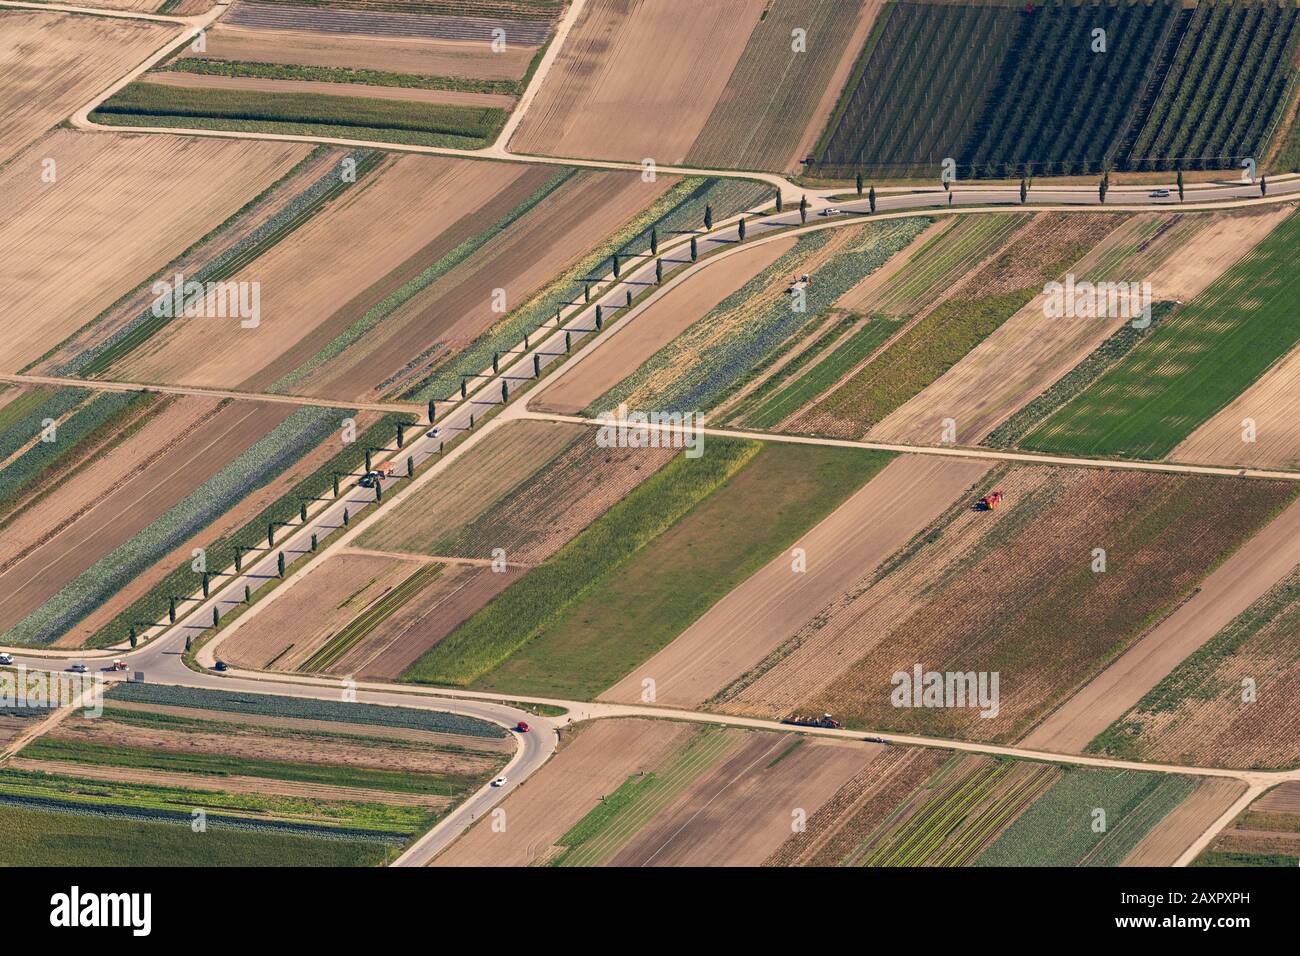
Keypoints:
pixel 831 211
pixel 369 479
pixel 221 666
pixel 6 659
pixel 78 668
pixel 433 432
pixel 1160 194
pixel 521 727
pixel 499 782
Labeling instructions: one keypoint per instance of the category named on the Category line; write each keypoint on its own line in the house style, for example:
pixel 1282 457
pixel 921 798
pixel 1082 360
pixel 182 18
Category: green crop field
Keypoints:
pixel 1007 90
pixel 354 117
pixel 1063 827
pixel 41 836
pixel 539 599
pixel 1195 362
pixel 639 608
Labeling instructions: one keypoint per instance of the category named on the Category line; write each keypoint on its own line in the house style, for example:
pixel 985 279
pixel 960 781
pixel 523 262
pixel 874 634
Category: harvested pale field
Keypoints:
pixel 432 738
pixel 600 758
pixel 146 197
pixel 741 811
pixel 1284 798
pixel 779 98
pixel 285 633
pixel 231 783
pixel 773 605
pixel 1030 351
pixel 1248 574
pixel 584 210
pixel 56 62
pixel 1168 839
pixel 326 274
pixel 1050 623
pixel 1266 833
pixel 136 6
pixel 637 79
pixel 323 88
pixel 250 743
pixel 1215 249
pixel 85 519
pixel 254 503
pixel 401 639
pixel 470 485
pixel 1258 429
pixel 859 807
pixel 618 356
pixel 408 55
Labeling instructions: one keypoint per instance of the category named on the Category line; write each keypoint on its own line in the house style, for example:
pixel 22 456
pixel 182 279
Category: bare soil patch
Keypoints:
pixel 601 757
pixel 146 197
pixel 637 79
pixel 1170 838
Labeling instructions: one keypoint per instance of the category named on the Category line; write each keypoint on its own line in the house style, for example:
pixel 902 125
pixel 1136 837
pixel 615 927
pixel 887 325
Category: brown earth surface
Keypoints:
pixel 599 758
pixel 756 618
pixel 1167 840
pixel 146 197
pixel 314 281
pixel 632 343
pixel 637 79
pixel 1246 575
pixel 56 62
pixel 422 622
pixel 248 743
pixel 521 261
pixel 293 627
pixel 206 81
pixel 743 809
pixel 389 54
pixel 110 511
pixel 1284 798
pixel 859 807
pixel 470 485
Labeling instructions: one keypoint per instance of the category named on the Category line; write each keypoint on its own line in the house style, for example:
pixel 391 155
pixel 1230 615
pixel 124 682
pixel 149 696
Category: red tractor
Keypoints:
pixel 989 501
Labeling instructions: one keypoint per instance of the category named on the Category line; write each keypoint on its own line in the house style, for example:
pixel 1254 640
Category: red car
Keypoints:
pixel 521 727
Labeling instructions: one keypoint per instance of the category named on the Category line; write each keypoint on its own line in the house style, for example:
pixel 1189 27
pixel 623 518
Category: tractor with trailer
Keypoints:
pixel 812 720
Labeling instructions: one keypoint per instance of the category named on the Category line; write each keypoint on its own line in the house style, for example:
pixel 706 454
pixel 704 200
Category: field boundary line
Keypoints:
pixel 954 451
pixel 107 386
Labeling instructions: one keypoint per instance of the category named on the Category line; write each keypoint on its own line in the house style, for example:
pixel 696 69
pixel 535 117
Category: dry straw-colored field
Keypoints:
pixel 147 198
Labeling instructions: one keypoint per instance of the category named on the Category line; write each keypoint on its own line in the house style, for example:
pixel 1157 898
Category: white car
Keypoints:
pixel 830 211
pixel 499 782
pixel 6 659
pixel 1160 194
pixel 434 432
pixel 78 668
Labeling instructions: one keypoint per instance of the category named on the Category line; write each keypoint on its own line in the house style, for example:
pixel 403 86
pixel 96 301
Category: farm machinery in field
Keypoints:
pixel 989 501
pixel 812 720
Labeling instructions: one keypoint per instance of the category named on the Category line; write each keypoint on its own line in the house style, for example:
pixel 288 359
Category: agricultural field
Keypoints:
pixel 945 333
pixel 352 319
pixel 1024 99
pixel 1051 624
pixel 1198 359
pixel 779 98
pixel 151 198
pixel 748 333
pixel 1267 833
pixel 687 532
pixel 630 792
pixel 1231 702
pixel 377 777
pixel 73 549
pixel 55 62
